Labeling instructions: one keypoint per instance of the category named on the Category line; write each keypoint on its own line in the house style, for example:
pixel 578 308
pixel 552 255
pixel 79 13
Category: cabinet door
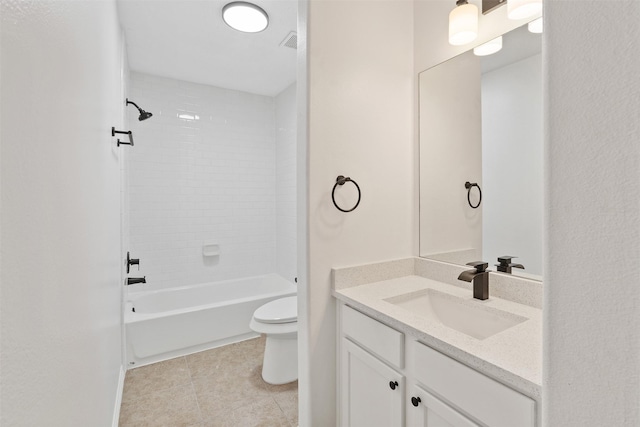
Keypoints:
pixel 372 393
pixel 432 412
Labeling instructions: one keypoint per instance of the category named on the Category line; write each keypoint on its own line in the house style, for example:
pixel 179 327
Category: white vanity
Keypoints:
pixel 409 355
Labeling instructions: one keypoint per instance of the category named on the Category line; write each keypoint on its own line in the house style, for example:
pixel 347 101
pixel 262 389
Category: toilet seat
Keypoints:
pixel 283 310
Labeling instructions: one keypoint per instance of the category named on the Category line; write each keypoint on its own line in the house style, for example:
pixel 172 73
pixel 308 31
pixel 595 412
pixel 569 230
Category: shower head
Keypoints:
pixel 144 115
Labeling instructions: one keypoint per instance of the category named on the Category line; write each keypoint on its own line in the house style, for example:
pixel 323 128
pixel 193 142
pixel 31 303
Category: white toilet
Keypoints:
pixel 278 319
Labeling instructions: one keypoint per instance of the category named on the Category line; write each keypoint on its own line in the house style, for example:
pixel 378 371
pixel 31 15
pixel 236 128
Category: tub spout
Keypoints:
pixel 134 280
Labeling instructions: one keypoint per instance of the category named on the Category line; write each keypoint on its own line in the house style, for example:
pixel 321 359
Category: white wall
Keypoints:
pixel 286 173
pixel 592 158
pixel 207 180
pixel 512 169
pixel 61 92
pixel 360 94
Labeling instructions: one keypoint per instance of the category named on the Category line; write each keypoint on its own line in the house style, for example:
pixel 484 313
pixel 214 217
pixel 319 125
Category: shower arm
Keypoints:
pixel 136 105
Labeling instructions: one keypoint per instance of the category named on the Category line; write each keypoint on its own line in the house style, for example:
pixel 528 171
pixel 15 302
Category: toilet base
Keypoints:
pixel 280 365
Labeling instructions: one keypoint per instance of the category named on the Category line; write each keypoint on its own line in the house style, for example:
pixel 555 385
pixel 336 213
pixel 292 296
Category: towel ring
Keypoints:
pixel 340 180
pixel 469 185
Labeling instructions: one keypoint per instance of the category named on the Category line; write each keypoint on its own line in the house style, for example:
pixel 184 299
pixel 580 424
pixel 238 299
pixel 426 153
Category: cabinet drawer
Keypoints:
pixel 481 397
pixel 387 343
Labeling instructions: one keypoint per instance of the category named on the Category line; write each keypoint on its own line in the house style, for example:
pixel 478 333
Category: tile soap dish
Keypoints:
pixel 210 249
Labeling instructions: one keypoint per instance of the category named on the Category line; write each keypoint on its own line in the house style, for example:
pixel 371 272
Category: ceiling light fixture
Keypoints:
pixel 536 26
pixel 522 9
pixel 245 17
pixel 463 23
pixel 489 47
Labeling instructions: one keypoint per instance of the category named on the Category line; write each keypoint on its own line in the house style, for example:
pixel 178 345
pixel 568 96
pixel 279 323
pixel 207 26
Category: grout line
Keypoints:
pixel 280 407
pixel 201 416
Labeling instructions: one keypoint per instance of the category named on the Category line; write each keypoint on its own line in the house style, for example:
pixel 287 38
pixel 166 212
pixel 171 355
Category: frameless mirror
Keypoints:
pixel 481 125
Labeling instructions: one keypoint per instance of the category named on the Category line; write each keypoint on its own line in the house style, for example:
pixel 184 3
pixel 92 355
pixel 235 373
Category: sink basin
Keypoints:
pixel 464 315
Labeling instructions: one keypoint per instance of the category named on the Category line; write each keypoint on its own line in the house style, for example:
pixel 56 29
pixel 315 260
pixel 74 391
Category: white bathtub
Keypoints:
pixel 174 322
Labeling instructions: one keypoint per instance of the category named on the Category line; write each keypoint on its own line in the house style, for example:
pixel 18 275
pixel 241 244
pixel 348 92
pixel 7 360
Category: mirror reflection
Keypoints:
pixel 481 123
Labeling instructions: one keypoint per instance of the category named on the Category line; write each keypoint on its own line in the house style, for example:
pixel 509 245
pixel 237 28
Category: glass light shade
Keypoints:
pixel 522 9
pixel 245 17
pixel 489 47
pixel 535 26
pixel 463 24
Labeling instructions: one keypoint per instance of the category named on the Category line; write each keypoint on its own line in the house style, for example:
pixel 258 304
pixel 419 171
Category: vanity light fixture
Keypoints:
pixel 522 9
pixel 536 26
pixel 245 17
pixel 463 23
pixel 489 47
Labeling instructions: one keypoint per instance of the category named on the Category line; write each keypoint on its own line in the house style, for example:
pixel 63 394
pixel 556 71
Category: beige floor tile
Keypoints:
pixel 227 361
pixel 260 413
pixel 257 383
pixel 223 387
pixel 253 349
pixel 282 388
pixel 220 394
pixel 287 400
pixel 158 376
pixel 175 407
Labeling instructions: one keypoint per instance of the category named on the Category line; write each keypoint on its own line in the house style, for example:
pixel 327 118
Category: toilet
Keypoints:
pixel 278 320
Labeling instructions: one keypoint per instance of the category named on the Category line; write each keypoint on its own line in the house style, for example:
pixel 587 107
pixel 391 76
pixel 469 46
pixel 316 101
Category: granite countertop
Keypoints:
pixel 513 356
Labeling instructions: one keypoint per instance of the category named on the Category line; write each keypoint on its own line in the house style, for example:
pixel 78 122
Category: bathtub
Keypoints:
pixel 163 324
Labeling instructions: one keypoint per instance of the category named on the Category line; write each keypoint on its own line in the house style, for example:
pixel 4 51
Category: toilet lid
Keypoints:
pixel 283 310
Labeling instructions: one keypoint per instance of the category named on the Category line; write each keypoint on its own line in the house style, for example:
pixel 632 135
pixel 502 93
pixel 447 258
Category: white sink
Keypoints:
pixel 464 315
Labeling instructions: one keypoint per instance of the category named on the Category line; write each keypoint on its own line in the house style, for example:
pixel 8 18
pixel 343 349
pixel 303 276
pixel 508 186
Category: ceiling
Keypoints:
pixel 188 40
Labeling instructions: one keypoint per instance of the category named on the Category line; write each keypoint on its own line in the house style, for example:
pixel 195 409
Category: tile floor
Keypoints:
pixel 219 387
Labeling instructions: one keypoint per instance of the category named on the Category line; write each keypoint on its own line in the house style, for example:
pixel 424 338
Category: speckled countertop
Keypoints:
pixel 513 357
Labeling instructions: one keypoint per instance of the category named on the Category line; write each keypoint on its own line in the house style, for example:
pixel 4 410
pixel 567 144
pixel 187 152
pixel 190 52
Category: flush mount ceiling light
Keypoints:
pixel 535 26
pixel 489 47
pixel 463 23
pixel 522 9
pixel 245 17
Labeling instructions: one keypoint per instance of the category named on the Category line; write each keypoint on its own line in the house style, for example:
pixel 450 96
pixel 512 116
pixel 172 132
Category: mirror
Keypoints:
pixel 481 123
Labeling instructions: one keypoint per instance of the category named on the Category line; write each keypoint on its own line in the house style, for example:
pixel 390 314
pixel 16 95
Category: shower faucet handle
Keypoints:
pixel 132 261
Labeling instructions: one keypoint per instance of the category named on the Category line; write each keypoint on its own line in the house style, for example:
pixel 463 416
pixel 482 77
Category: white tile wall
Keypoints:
pixel 207 177
pixel 286 183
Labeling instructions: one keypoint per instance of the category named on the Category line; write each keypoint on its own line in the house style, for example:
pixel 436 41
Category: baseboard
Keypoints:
pixel 116 409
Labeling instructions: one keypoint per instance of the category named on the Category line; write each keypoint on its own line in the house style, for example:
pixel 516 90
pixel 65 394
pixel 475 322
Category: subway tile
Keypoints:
pixel 216 178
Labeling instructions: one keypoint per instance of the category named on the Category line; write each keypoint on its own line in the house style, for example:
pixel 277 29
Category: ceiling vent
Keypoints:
pixel 291 40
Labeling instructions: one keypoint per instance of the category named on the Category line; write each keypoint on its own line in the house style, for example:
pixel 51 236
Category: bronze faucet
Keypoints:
pixel 506 265
pixel 480 278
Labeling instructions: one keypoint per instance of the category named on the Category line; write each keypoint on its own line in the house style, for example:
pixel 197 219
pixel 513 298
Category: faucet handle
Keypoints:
pixel 506 259
pixel 131 261
pixel 506 265
pixel 480 266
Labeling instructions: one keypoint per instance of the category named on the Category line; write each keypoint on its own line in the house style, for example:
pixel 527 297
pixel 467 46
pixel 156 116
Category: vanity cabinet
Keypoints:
pixel 429 411
pixel 373 392
pixel 478 396
pixel 385 380
pixel 371 382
